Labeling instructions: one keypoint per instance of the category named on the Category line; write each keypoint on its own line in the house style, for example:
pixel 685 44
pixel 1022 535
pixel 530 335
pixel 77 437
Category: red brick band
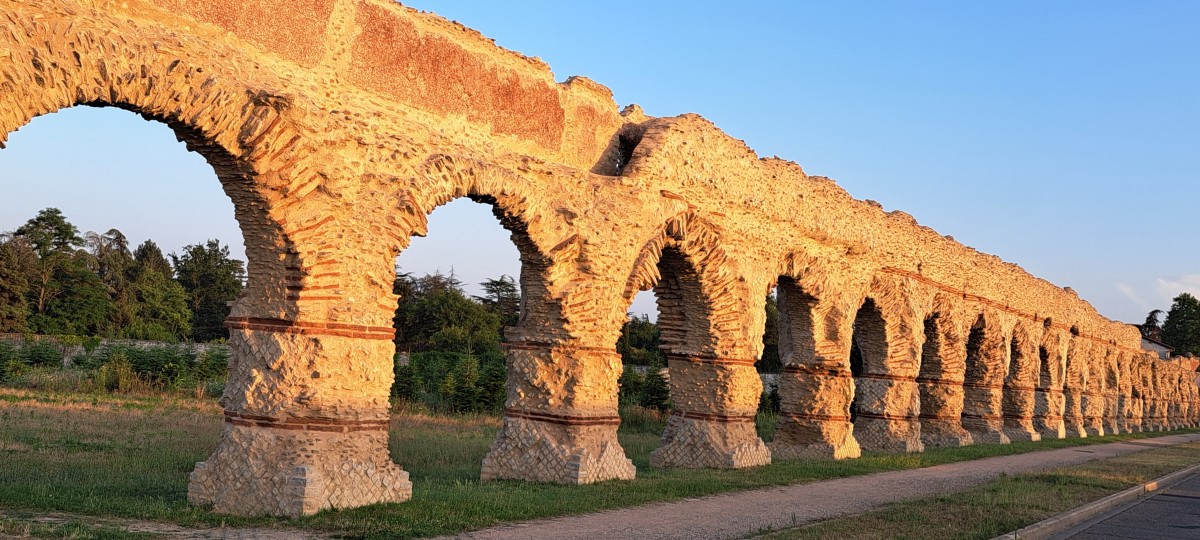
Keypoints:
pixel 311 328
pixel 546 346
pixel 1049 390
pixel 973 416
pixel 1051 417
pixel 810 369
pixel 1021 388
pixel 805 417
pixel 886 377
pixel 707 359
pixel 303 423
pixel 938 380
pixel 949 417
pixel 983 385
pixel 563 419
pixel 712 417
pixel 892 417
pixel 1008 416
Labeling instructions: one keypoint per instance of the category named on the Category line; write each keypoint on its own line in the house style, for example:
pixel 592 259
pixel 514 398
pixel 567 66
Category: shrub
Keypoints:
pixel 42 352
pixel 117 374
pixel 656 394
pixel 406 384
pixel 631 385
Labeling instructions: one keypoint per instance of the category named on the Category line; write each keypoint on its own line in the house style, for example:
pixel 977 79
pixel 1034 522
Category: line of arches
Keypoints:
pixel 874 358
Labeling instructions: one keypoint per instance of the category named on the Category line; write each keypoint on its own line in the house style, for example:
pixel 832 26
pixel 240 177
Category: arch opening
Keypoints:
pixel 139 243
pixel 461 293
pixel 1019 388
pixel 714 388
pixel 868 352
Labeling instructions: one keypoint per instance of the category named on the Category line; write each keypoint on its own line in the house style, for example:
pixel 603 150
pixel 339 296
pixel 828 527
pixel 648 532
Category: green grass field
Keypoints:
pixel 1003 505
pixel 129 457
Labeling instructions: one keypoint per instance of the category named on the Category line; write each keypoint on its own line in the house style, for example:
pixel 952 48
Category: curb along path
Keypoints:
pixel 737 515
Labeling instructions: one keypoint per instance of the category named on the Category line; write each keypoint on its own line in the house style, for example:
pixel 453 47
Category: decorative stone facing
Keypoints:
pixel 336 126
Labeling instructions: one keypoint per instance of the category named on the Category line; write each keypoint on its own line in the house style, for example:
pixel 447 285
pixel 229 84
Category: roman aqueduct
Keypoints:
pixel 337 126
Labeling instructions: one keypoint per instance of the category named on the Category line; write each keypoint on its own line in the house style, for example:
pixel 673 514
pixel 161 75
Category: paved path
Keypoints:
pixel 737 515
pixel 1169 514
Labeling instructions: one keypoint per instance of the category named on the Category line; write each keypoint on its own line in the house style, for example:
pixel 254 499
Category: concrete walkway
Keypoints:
pixel 1173 513
pixel 741 514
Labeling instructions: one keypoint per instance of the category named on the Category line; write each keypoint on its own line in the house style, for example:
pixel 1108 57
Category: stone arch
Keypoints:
pixel 1074 385
pixel 1020 384
pixel 815 388
pixel 984 380
pixel 1093 402
pixel 1111 392
pixel 284 329
pixel 546 257
pixel 1048 397
pixel 940 377
pixel 710 328
pixel 886 333
pixel 551 431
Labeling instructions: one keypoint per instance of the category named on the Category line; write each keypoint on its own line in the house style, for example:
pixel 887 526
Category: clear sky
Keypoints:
pixel 1064 136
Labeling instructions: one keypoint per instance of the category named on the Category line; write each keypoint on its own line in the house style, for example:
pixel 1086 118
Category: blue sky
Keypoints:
pixel 1064 137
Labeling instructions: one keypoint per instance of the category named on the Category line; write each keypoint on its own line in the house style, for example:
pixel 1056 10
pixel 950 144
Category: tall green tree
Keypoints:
pixel 638 344
pixel 17 260
pixel 434 314
pixel 161 309
pixel 148 255
pixel 502 296
pixel 770 361
pixel 1181 330
pixel 55 242
pixel 81 307
pixel 49 231
pixel 65 294
pixel 1152 328
pixel 212 280
pixel 113 264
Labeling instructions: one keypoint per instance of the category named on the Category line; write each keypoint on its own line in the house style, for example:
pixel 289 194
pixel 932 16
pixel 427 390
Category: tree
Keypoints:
pixel 50 231
pixel 436 315
pixel 148 255
pixel 55 242
pixel 656 393
pixel 81 306
pixel 161 311
pixel 1182 327
pixel 212 280
pixel 1152 328
pixel 638 344
pixel 17 260
pixel 770 361
pixel 113 263
pixel 502 296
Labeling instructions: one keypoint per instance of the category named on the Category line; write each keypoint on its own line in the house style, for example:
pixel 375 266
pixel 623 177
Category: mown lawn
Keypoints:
pixel 131 456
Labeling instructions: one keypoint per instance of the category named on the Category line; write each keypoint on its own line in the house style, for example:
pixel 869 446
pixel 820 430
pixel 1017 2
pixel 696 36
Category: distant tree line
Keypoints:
pixel 54 280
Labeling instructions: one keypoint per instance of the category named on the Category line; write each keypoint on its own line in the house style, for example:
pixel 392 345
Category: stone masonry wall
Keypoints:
pixel 337 126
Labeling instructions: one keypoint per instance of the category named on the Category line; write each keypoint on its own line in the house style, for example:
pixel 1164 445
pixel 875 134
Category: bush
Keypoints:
pixel 117 375
pixel 769 403
pixel 42 352
pixel 405 386
pixel 630 386
pixel 656 394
